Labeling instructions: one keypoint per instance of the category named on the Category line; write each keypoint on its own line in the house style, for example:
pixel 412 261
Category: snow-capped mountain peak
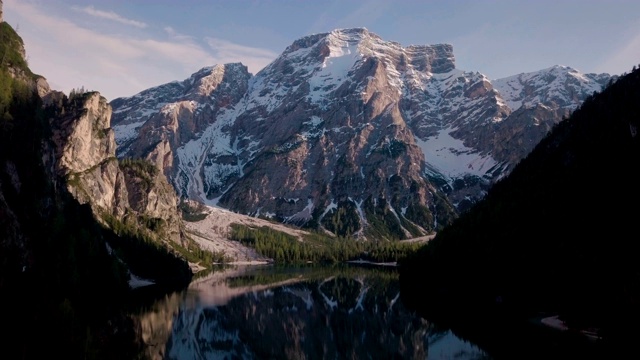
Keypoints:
pixel 345 127
pixel 561 86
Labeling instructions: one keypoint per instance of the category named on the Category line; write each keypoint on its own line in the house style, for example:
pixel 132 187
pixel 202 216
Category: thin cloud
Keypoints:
pixel 254 58
pixel 188 54
pixel 70 55
pixel 366 14
pixel 176 35
pixel 109 15
pixel 170 31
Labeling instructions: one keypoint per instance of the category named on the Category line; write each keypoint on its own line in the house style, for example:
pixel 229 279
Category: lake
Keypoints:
pixel 279 312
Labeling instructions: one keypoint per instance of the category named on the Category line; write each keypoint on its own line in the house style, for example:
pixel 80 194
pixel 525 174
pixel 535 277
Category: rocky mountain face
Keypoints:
pixel 346 132
pixel 85 156
pixel 57 154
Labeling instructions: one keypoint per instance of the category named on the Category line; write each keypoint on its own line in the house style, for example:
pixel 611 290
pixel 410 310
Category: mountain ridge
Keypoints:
pixel 348 94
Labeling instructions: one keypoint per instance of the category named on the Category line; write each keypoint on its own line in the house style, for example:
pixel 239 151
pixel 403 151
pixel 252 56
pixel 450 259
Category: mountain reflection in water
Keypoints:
pixel 318 312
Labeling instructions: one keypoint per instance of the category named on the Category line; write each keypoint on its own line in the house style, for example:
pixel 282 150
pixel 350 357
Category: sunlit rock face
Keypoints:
pixel 157 121
pixel 84 148
pixel 346 131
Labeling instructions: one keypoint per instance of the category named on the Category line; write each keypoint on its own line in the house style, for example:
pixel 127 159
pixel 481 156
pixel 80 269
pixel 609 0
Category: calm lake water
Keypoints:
pixel 319 312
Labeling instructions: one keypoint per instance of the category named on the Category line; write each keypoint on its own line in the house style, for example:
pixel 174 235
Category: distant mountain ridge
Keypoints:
pixel 346 132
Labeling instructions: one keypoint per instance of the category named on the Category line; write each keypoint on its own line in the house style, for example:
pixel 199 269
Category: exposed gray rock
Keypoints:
pixel 85 156
pixel 346 132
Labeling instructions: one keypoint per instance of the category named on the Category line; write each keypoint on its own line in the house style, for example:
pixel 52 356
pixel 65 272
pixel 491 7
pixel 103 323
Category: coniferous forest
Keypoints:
pixel 318 248
pixel 559 235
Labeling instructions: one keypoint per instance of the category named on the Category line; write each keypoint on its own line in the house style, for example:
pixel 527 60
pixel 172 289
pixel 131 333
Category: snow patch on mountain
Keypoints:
pixel 195 154
pixel 559 84
pixel 127 132
pixel 452 158
pixel 334 70
pixel 304 215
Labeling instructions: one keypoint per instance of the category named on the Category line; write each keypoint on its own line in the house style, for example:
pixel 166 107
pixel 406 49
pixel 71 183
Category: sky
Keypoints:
pixel 121 47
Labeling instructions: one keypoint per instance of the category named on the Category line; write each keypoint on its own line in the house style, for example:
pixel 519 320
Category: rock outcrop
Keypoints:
pixel 167 117
pixel 58 178
pixel 85 157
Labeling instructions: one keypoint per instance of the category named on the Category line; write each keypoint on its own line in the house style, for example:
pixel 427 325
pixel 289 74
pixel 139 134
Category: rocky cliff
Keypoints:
pixel 58 154
pixel 85 149
pixel 49 243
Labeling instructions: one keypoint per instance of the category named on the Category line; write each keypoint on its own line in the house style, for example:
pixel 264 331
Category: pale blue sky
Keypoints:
pixel 121 47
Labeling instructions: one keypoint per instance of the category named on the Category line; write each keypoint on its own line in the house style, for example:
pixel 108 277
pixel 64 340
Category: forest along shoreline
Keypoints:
pixel 241 239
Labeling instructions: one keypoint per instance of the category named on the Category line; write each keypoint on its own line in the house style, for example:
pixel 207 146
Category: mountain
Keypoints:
pixel 129 197
pixel 346 132
pixel 546 238
pixel 76 224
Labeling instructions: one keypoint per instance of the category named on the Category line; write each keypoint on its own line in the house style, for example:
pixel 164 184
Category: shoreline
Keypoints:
pixel 360 261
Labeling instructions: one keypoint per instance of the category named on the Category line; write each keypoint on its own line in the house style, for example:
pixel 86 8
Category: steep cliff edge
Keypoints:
pixel 130 192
